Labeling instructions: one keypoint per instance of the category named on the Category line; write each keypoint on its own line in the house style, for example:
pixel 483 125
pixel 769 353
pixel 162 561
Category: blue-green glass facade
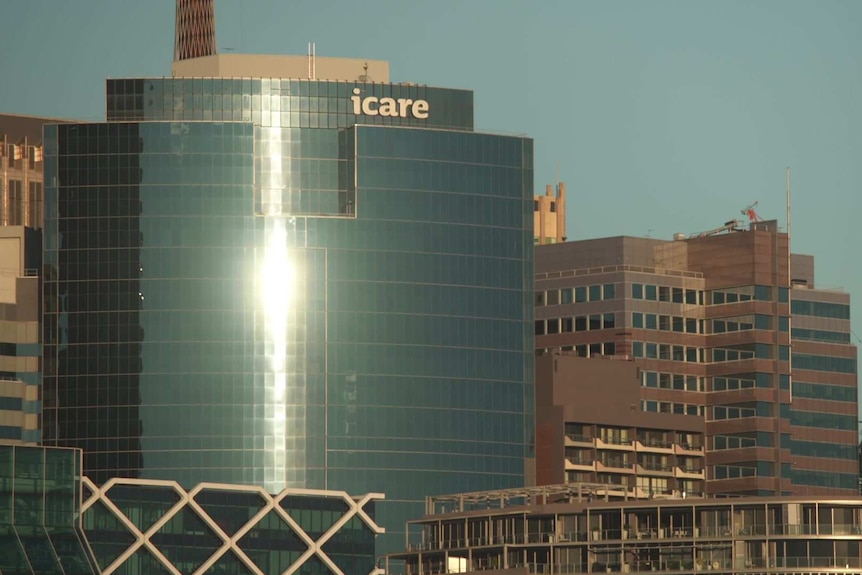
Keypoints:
pixel 247 282
pixel 40 512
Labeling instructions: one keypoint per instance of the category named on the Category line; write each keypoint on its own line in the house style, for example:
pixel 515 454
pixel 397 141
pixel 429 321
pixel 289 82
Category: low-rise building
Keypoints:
pixel 588 529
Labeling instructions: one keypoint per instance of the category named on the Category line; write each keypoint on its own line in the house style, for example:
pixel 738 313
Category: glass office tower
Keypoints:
pixel 291 284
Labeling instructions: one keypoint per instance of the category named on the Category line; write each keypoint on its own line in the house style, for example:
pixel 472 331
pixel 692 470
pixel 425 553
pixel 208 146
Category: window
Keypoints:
pixel 692 383
pixel 595 321
pixel 553 297
pixel 580 294
pixel 566 325
pixel 638 348
pixel 678 324
pixel 535 205
pixel 664 322
pixel 566 295
pixel 609 291
pixel 651 293
pixel 650 379
pixel 691 297
pixel 824 391
pixel 823 420
pixel 540 327
pixel 540 298
pixel 763 293
pixel 610 348
pixel 16 202
pixel 677 295
pixel 637 320
pixel 690 325
pixel 608 320
pixel 820 335
pixel 824 363
pixel 581 323
pixel 553 326
pixel 820 309
pixel 553 206
pixel 595 293
pixel 663 293
pixel 651 321
pixel 637 291
pixel 36 211
pixel 651 351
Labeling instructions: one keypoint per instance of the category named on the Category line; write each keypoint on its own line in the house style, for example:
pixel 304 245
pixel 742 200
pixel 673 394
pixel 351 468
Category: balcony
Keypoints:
pixel 664 533
pixel 655 469
pixel 573 439
pixel 617 466
pixel 686 449
pixel 618 444
pixel 777 565
pixel 580 464
pixel 654 446
pixel 689 472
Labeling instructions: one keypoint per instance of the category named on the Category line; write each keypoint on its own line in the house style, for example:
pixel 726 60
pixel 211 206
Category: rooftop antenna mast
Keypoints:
pixel 789 281
pixel 788 207
pixel 312 65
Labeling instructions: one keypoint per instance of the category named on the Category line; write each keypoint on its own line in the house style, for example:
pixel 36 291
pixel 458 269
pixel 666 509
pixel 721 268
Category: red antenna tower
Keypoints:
pixel 194 35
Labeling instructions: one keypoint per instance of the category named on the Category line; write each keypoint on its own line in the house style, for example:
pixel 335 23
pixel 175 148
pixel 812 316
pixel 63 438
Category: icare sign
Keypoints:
pixel 391 107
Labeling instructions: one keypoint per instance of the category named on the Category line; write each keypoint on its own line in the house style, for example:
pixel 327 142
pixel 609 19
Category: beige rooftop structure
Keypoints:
pixel 310 67
pixel 195 55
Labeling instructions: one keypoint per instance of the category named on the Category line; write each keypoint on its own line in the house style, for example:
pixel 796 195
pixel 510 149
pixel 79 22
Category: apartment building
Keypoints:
pixel 590 429
pixel 585 529
pixel 717 323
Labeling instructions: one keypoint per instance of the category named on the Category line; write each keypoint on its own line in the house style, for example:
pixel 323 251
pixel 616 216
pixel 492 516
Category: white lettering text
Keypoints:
pixel 389 107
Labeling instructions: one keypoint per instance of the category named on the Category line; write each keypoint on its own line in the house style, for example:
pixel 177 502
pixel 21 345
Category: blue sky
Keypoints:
pixel 663 116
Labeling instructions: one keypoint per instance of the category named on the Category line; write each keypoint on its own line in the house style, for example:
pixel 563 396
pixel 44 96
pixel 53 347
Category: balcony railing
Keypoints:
pixel 653 466
pixel 616 441
pixel 705 564
pixel 657 443
pixel 646 533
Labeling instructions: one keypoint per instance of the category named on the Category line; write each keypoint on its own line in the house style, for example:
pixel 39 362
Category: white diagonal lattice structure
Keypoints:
pixel 230 542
